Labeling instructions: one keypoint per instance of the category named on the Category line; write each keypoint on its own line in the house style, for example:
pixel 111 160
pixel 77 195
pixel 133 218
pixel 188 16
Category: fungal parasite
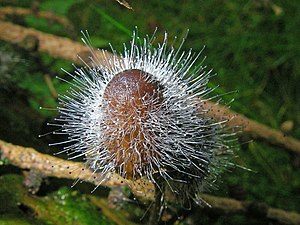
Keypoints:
pixel 130 99
pixel 140 114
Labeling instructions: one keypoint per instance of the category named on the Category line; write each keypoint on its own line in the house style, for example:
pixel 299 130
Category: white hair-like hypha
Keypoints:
pixel 140 114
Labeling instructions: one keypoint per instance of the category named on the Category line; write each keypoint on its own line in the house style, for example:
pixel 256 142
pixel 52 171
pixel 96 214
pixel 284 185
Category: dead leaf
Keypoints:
pixel 124 3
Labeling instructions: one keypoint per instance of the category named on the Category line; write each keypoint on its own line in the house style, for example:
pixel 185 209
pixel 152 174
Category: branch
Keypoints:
pixel 46 43
pixel 254 129
pixel 230 206
pixel 7 11
pixel 67 49
pixel 28 158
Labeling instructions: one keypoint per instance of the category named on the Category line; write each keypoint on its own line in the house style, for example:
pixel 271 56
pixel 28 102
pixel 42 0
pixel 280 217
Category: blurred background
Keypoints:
pixel 252 45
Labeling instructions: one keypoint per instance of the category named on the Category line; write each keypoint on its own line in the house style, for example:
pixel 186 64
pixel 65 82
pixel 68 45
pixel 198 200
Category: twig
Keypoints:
pixel 67 49
pixel 117 216
pixel 47 43
pixel 28 158
pixel 50 85
pixel 254 129
pixel 231 206
pixel 8 10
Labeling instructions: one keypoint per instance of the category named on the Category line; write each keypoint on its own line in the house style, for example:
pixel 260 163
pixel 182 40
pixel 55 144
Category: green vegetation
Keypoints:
pixel 61 207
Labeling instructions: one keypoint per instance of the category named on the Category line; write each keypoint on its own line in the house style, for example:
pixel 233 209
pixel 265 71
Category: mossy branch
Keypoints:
pixel 29 158
pixel 68 49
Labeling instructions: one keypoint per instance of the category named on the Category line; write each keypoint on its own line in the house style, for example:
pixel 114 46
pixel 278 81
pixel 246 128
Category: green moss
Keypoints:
pixel 69 207
pixel 62 207
pixel 11 194
pixel 13 220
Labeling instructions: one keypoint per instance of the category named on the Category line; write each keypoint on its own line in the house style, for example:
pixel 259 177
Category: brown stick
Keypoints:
pixel 28 158
pixel 231 206
pixel 47 43
pixel 67 49
pixel 8 10
pixel 254 129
